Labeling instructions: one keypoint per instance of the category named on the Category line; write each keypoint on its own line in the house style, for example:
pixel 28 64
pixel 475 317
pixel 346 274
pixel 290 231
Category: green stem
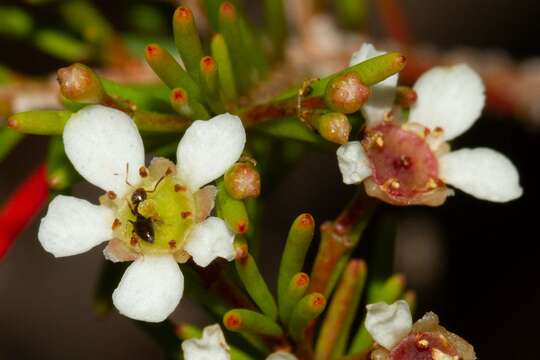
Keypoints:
pixel 241 320
pixel 231 210
pixel 8 140
pixel 255 285
pixel 295 292
pixel 370 72
pixel 186 38
pixel 307 309
pixel 227 81
pixel 292 260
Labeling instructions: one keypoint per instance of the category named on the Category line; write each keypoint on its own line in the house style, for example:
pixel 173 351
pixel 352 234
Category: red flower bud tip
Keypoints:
pixel 183 14
pixel 179 96
pixel 12 123
pixel 232 321
pixel 228 10
pixel 306 221
pixel 318 301
pixel 241 228
pixel 301 279
pixel 21 207
pixel 208 64
pixel 152 50
pixel 346 93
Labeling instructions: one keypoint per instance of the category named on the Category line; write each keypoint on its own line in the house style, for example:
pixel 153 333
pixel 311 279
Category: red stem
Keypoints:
pixel 21 207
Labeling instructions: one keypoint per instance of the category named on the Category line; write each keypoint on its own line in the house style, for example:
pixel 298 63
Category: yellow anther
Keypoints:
pixel 422 344
pixel 431 184
pixel 379 140
pixel 395 184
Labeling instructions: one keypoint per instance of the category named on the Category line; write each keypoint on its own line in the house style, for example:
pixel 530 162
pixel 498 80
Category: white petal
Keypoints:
pixel 212 346
pixel 451 98
pixel 100 141
pixel 209 148
pixel 483 173
pixel 281 355
pixel 388 324
pixel 73 226
pixel 150 289
pixel 382 94
pixel 209 240
pixel 353 162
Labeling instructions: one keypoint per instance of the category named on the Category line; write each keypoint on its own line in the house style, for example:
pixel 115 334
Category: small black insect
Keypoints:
pixel 142 226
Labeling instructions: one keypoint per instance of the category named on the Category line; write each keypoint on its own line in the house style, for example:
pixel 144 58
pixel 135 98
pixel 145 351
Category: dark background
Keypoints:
pixel 474 263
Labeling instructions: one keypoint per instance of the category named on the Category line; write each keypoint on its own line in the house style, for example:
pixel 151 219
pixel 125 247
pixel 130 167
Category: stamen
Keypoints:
pixel 185 214
pixel 116 223
pixel 143 172
pixel 111 195
pixel 172 244
pixel 422 344
pixel 179 187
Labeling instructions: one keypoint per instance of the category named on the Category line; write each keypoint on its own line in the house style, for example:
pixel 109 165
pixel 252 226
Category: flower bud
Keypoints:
pixel 334 127
pixel 405 96
pixel 243 181
pixel 346 93
pixel 80 84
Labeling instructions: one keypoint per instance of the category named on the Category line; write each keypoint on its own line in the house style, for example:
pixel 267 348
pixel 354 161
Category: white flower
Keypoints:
pixel 281 355
pixel 388 324
pixel 410 163
pixel 104 146
pixel 212 346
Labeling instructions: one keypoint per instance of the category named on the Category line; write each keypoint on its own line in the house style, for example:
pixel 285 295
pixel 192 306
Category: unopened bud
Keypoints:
pixel 346 93
pixel 334 127
pixel 243 181
pixel 405 96
pixel 79 83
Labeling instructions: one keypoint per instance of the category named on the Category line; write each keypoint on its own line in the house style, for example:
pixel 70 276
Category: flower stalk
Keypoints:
pixel 255 284
pixel 342 311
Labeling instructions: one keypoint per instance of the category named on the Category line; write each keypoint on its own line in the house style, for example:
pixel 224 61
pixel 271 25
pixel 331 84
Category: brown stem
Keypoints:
pixel 394 20
pixel 281 109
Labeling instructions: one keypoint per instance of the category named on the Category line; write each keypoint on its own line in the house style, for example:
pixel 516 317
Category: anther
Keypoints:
pixel 422 344
pixel 111 195
pixel 168 171
pixel 178 188
pixel 379 140
pixel 395 184
pixel 116 223
pixel 185 214
pixel 172 244
pixel 431 184
pixel 133 241
pixel 143 172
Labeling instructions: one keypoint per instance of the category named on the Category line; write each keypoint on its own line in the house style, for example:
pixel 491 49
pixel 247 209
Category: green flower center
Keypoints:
pixel 157 216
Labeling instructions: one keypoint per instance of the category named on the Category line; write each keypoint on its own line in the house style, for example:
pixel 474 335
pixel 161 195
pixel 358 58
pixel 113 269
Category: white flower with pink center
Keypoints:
pixel 406 163
pixel 155 216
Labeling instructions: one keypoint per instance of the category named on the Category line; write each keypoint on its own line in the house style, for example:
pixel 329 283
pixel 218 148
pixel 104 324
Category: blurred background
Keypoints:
pixel 474 263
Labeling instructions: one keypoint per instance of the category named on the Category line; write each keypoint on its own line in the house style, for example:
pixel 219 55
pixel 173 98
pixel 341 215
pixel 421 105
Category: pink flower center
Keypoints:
pixel 402 162
pixel 423 346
